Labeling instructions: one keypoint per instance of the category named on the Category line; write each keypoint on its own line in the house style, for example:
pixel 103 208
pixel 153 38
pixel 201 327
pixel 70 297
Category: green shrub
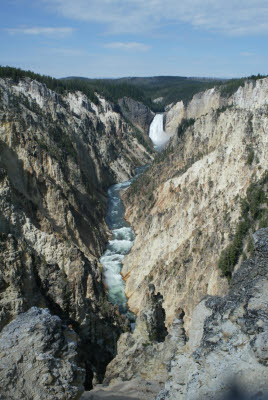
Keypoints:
pixel 250 158
pixel 62 140
pixel 230 256
pixel 253 209
pixel 140 138
pixel 185 123
pixel 256 197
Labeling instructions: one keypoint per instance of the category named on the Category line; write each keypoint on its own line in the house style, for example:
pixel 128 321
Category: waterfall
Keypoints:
pixel 157 134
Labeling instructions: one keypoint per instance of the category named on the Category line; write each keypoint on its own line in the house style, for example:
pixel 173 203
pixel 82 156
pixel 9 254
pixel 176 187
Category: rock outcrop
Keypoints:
pixel 39 359
pixel 228 339
pixel 139 369
pixel 154 316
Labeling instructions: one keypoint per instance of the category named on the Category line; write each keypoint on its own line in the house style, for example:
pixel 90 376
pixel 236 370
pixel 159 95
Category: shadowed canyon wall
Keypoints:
pixel 58 156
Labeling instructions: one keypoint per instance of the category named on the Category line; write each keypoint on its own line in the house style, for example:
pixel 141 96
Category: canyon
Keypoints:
pixel 199 322
pixel 58 157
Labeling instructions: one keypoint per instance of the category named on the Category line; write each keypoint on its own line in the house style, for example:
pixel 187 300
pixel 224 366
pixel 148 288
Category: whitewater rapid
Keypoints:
pixel 120 244
pixel 157 134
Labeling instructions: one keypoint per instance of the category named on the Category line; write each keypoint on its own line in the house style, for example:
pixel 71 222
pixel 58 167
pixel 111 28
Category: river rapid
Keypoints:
pixel 120 244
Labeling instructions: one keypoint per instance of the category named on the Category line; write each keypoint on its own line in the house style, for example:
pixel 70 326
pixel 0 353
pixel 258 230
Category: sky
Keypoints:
pixel 116 38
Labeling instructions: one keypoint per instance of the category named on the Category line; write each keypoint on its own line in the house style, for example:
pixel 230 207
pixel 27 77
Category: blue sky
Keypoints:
pixel 114 38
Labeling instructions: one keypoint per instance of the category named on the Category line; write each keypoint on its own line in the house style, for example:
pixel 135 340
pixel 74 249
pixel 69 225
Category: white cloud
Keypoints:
pixel 127 46
pixel 244 17
pixel 46 31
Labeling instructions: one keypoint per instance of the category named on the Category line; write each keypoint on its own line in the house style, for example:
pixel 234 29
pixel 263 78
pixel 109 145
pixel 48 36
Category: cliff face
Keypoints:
pixel 252 95
pixel 137 113
pixel 207 188
pixel 200 104
pixel 58 155
pixel 186 207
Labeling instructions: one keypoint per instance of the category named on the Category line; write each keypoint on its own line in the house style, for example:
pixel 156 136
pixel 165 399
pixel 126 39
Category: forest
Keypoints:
pixel 171 88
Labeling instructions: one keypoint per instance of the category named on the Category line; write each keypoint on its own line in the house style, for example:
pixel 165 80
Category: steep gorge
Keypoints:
pixel 59 154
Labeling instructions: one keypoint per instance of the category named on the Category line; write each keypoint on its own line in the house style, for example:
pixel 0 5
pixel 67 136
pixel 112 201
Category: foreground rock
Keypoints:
pixel 133 390
pixel 39 359
pixel 228 340
pixel 139 369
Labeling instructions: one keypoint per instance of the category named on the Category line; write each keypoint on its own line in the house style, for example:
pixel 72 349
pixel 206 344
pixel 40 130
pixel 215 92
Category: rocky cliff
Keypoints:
pixel 137 113
pixel 252 95
pixel 58 155
pixel 186 208
pixel 192 278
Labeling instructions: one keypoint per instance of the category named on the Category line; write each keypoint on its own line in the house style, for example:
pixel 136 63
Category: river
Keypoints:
pixel 120 244
pixel 123 235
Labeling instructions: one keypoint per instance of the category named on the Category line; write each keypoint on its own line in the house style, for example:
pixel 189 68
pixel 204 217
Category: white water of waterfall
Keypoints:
pixel 157 134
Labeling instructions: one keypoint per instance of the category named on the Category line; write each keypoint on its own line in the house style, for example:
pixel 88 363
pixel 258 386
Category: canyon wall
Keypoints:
pixel 137 113
pixel 58 156
pixel 186 206
pixel 252 95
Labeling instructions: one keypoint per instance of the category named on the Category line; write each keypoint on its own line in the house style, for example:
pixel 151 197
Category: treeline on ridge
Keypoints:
pixel 171 88
pixel 54 84
pixel 110 90
pixel 113 90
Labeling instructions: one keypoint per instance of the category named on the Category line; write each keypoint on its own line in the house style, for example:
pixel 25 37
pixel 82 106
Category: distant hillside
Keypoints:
pixel 171 88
